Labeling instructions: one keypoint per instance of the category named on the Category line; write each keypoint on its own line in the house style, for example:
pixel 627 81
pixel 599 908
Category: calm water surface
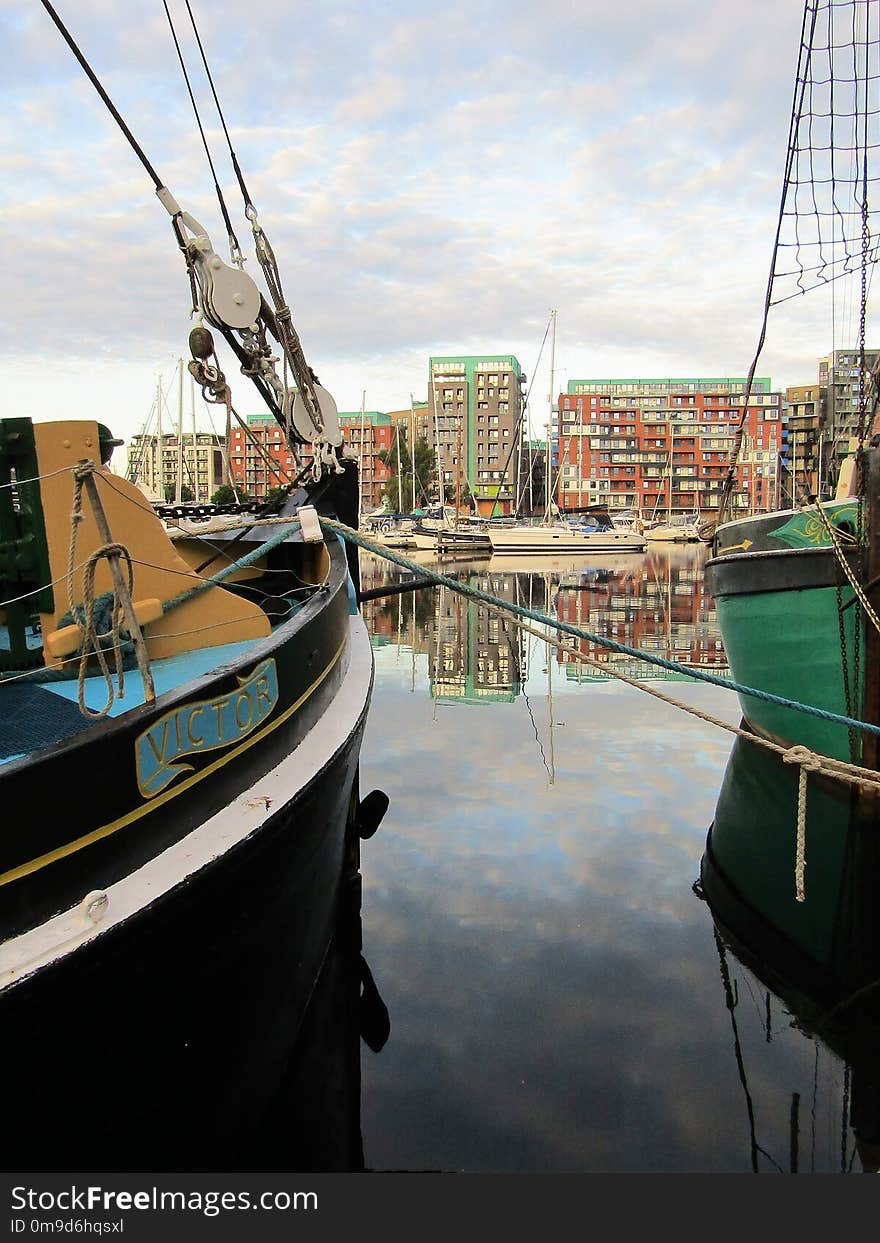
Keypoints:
pixel 556 992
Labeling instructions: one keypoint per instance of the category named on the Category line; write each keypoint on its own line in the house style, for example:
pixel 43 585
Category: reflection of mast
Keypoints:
pixel 550 710
pixel 399 622
pixel 438 622
pixel 754 1147
pixel 549 673
pixel 412 644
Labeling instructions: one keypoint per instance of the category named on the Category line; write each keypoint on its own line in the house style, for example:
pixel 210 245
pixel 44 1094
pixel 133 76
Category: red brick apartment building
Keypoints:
pixel 367 434
pixel 659 445
pixel 260 458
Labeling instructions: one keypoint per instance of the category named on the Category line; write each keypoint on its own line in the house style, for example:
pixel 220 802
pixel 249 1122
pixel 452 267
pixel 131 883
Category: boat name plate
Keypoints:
pixel 203 725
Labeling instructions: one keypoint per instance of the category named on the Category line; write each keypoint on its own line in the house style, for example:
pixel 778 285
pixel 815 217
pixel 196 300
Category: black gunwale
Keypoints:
pixel 775 569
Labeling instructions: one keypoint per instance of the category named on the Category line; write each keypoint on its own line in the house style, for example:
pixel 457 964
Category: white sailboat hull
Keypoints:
pixel 550 539
pixel 672 534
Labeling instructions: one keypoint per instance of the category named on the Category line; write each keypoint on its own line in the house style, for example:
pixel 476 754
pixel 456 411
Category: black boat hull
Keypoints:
pixel 161 1043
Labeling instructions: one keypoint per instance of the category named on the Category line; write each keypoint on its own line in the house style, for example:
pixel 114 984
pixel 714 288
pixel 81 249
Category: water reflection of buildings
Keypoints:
pixel 478 655
pixel 655 602
pixel 658 604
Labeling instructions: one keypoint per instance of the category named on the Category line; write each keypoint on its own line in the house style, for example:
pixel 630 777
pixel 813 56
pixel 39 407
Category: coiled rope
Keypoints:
pixel 84 615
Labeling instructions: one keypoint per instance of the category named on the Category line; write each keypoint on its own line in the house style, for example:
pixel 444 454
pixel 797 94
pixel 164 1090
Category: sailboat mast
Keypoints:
pixel 551 401
pixel 192 410
pixel 161 457
pixel 178 492
pixel 457 468
pixel 671 452
pixel 440 482
pixel 519 447
pixel 361 460
pixel 399 477
pixel 412 446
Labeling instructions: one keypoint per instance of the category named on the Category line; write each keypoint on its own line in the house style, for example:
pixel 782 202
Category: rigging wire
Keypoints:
pixel 281 323
pixel 135 145
pixel 516 439
pixel 797 104
pixel 248 202
pixel 234 248
pixel 68 38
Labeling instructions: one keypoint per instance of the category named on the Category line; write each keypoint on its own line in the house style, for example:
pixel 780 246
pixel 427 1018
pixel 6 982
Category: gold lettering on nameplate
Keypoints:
pixel 161 751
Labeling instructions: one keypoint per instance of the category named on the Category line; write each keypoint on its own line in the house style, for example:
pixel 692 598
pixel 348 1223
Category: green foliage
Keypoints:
pixel 226 496
pixel 465 496
pixel 425 473
pixel 276 497
pixel 186 493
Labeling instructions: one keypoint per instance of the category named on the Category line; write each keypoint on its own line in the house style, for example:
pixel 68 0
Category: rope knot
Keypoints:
pixel 808 762
pixel 807 759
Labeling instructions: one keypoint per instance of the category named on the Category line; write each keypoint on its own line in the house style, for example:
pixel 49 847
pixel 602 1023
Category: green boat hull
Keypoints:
pixel 790 624
pixel 790 644
pixel 749 869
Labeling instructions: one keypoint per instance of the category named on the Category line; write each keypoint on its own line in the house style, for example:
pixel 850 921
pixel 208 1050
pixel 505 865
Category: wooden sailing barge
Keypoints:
pixel 180 728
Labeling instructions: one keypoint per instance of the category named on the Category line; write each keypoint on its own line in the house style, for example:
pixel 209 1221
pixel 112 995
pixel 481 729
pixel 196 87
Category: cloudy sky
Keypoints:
pixel 433 179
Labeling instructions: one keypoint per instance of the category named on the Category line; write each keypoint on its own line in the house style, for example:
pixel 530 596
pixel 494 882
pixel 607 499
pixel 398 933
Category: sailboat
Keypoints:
pixel 797 591
pixel 180 730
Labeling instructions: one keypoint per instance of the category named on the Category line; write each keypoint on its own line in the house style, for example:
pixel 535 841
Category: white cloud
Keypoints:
pixel 433 180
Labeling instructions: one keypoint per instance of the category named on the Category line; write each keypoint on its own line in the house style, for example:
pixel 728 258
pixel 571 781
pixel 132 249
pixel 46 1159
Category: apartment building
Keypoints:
pixel 472 419
pixel 193 462
pixel 846 387
pixel 663 445
pixel 369 433
pixel 805 418
pixel 260 458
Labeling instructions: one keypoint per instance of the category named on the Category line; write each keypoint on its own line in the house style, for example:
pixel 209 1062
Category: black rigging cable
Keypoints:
pixel 282 325
pixel 157 181
pixel 248 202
pixel 135 145
pixel 808 21
pixel 233 240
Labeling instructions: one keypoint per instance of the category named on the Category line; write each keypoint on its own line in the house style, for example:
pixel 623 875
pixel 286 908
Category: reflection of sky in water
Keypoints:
pixel 553 981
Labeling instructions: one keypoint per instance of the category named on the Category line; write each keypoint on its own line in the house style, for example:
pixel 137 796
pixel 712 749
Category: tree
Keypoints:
pixel 186 493
pixel 425 470
pixel 276 497
pixel 226 496
pixel 465 496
